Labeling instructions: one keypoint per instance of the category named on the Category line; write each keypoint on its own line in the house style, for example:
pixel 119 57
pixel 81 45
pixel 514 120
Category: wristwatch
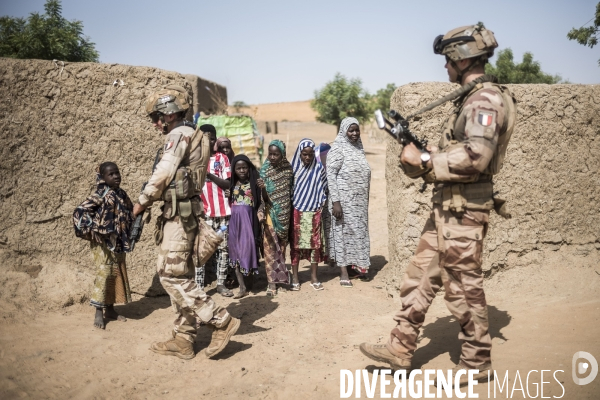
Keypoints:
pixel 425 157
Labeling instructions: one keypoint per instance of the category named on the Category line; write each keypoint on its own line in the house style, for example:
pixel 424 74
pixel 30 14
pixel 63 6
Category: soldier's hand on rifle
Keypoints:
pixel 138 209
pixel 411 155
pixel 432 149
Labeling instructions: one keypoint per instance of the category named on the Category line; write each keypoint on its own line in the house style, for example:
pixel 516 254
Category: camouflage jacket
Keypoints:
pixel 174 156
pixel 475 136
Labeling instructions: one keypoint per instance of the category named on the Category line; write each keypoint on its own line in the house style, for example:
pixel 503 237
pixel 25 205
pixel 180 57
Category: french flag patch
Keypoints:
pixel 485 118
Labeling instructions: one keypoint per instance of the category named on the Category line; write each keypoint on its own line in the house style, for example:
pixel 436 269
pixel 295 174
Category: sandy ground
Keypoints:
pixel 295 345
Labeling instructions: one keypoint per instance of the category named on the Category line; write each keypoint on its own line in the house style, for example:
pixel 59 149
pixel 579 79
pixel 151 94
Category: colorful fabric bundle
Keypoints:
pixel 105 217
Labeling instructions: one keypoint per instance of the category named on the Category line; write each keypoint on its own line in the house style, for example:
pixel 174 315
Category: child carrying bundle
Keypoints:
pixel 105 219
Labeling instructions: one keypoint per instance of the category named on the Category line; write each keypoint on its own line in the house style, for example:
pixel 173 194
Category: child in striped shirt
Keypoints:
pixel 216 210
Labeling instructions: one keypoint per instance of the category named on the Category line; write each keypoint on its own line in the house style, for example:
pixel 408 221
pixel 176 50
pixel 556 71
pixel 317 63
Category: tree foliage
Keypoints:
pixel 587 36
pixel 237 105
pixel 341 98
pixel 48 36
pixel 382 98
pixel 528 71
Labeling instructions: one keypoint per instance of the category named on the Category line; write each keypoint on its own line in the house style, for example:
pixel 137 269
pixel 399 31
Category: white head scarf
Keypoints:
pixel 342 137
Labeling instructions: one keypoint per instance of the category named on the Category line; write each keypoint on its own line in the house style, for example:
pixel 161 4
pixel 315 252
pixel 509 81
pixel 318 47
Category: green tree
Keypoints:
pixel 341 98
pixel 528 71
pixel 383 96
pixel 239 104
pixel 47 37
pixel 587 36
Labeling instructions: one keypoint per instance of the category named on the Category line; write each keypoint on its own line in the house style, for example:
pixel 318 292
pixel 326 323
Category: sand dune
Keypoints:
pixel 291 111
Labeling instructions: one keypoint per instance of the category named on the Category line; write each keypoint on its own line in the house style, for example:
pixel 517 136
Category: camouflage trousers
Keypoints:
pixel 192 305
pixel 449 253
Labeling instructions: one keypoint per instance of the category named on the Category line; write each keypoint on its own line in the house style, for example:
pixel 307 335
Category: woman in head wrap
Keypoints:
pixel 349 178
pixel 277 177
pixel 309 196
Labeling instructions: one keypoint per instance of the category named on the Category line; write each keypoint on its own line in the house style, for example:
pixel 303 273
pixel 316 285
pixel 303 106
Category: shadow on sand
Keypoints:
pixel 443 335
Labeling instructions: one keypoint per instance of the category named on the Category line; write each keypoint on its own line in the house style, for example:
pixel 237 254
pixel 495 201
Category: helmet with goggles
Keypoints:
pixel 168 100
pixel 466 42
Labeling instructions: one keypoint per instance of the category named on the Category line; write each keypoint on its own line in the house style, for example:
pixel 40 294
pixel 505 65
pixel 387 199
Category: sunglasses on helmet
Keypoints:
pixel 439 43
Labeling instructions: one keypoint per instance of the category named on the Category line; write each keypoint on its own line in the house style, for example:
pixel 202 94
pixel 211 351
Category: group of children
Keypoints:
pixel 264 211
pixel 258 211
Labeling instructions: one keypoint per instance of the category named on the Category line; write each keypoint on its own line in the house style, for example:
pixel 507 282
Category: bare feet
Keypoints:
pixel 223 291
pixel 99 319
pixel 344 274
pixel 110 313
pixel 241 281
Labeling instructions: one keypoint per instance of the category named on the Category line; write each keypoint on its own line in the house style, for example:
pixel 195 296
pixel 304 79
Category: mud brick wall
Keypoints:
pixel 56 125
pixel 550 178
pixel 209 97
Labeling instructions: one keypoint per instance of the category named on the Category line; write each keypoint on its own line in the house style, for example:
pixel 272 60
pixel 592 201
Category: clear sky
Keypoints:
pixel 273 51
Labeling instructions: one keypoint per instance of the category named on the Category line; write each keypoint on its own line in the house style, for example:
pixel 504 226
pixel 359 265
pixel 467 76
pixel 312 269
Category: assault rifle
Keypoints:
pixel 401 132
pixel 138 224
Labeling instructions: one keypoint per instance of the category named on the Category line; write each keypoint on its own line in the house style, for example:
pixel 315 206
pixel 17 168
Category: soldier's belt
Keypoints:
pixel 461 196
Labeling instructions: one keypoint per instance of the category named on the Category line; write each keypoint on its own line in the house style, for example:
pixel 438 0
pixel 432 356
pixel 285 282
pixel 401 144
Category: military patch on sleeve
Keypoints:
pixel 169 144
pixel 485 118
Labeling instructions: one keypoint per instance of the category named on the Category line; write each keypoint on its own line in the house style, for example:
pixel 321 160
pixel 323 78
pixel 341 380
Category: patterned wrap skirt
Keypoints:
pixel 274 251
pixel 307 239
pixel 111 285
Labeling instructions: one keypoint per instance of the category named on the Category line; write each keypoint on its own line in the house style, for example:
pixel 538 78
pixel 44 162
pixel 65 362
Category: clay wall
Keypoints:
pixel 550 178
pixel 56 125
pixel 209 97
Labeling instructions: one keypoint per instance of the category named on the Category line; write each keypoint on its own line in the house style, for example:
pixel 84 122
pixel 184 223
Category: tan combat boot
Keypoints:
pixel 178 347
pixel 221 336
pixel 482 376
pixel 379 352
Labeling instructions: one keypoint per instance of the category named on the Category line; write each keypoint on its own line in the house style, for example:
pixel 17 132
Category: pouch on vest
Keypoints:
pixel 158 230
pixel 188 219
pixel 181 187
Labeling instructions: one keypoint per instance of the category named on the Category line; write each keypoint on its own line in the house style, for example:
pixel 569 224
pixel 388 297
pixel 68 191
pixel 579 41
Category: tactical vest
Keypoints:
pixel 476 191
pixel 181 196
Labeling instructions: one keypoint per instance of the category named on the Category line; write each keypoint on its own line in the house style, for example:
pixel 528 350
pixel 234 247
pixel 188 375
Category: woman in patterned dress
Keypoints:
pixel 348 179
pixel 309 197
pixel 278 178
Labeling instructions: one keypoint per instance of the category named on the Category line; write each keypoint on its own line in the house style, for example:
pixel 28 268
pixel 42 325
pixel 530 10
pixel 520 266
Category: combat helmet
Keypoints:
pixel 466 42
pixel 168 100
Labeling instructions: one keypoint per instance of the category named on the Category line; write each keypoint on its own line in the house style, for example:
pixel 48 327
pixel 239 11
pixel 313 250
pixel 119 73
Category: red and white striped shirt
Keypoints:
pixel 213 197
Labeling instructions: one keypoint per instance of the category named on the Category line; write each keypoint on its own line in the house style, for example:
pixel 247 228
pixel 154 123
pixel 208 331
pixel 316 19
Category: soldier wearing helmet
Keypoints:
pixel 470 152
pixel 156 110
pixel 177 180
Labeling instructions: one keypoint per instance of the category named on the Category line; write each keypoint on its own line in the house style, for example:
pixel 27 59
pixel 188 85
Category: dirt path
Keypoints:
pixel 294 346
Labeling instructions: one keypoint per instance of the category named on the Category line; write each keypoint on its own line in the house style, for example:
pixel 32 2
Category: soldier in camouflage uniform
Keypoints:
pixel 177 180
pixel 449 253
